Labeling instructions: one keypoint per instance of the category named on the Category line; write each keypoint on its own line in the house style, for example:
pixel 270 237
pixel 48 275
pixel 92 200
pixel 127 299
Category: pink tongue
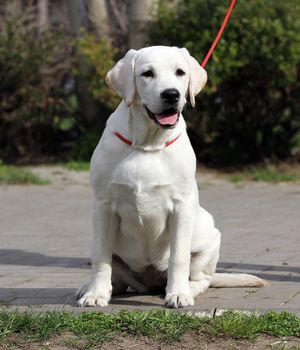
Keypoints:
pixel 166 119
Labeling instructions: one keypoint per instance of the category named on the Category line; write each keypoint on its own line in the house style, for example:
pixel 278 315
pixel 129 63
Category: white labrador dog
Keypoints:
pixel 149 229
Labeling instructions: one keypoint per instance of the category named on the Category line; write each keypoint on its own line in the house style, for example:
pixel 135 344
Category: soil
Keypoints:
pixel 189 341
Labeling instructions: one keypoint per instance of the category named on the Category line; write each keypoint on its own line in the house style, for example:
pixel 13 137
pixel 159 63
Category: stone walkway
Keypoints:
pixel 45 239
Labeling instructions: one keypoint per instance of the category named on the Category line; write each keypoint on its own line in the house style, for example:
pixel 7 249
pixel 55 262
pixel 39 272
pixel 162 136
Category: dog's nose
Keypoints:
pixel 170 95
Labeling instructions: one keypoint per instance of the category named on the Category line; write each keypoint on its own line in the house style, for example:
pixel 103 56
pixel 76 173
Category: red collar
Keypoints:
pixel 128 142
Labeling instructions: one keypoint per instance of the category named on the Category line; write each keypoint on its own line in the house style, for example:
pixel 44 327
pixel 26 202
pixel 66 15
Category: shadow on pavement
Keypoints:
pixel 25 258
pixel 63 296
pixel 37 296
pixel 258 267
pixel 267 272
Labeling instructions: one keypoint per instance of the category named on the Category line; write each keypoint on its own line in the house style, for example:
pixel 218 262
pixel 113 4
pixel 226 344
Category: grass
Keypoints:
pixel 269 173
pixel 77 165
pixel 12 175
pixel 95 328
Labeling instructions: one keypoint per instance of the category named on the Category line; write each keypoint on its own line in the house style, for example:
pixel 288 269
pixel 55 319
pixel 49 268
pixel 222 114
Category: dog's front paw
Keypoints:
pixel 93 294
pixel 89 299
pixel 177 300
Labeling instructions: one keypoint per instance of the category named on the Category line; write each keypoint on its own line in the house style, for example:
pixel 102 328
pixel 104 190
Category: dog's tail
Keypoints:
pixel 236 280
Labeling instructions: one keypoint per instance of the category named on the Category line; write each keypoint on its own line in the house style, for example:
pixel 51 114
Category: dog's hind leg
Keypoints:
pixel 122 278
pixel 203 265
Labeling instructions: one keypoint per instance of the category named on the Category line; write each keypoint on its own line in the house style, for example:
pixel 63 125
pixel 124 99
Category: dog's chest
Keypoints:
pixel 142 194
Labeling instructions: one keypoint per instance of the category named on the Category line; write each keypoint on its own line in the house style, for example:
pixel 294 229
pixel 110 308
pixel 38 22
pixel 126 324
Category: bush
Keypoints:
pixel 249 110
pixel 86 144
pixel 36 109
pixel 40 102
pixel 95 59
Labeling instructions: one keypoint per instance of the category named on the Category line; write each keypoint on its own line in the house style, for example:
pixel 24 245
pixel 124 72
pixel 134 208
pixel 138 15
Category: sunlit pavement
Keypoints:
pixel 45 239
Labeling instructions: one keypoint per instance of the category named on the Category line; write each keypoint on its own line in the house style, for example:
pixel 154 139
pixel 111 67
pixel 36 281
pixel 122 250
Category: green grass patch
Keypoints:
pixel 77 165
pixel 250 326
pixel 167 326
pixel 269 173
pixel 13 175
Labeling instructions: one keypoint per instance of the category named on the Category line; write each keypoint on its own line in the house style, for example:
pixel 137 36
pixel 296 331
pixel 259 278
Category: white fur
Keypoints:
pixel 146 207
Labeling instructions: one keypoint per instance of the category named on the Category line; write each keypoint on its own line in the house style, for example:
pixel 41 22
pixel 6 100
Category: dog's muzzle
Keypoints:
pixel 166 119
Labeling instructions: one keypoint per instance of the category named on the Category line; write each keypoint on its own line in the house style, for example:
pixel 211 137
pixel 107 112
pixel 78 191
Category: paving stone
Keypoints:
pixel 41 301
pixel 276 290
pixel 229 293
pixel 240 304
pixel 45 246
pixel 9 281
pixel 293 302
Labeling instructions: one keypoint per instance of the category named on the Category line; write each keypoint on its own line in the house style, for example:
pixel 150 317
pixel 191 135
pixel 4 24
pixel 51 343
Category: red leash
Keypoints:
pixel 203 64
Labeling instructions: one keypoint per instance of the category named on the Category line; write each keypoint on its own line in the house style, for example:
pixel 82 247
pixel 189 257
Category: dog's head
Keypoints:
pixel 159 78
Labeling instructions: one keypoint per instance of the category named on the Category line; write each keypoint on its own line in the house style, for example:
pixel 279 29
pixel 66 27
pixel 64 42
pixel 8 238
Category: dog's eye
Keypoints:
pixel 148 74
pixel 180 72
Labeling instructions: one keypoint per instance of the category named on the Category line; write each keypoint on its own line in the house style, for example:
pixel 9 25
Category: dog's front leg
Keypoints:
pixel 181 224
pixel 97 291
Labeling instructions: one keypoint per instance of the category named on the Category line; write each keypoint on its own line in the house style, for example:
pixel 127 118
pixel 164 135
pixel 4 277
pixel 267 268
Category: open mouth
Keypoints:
pixel 167 119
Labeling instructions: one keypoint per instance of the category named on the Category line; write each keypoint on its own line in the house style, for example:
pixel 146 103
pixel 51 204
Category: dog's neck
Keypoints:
pixel 142 132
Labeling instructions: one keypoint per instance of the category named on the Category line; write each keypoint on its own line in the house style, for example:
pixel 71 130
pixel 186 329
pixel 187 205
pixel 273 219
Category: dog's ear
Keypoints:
pixel 121 77
pixel 197 77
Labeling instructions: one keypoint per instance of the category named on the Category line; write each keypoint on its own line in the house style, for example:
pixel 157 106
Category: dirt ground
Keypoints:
pixel 190 341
